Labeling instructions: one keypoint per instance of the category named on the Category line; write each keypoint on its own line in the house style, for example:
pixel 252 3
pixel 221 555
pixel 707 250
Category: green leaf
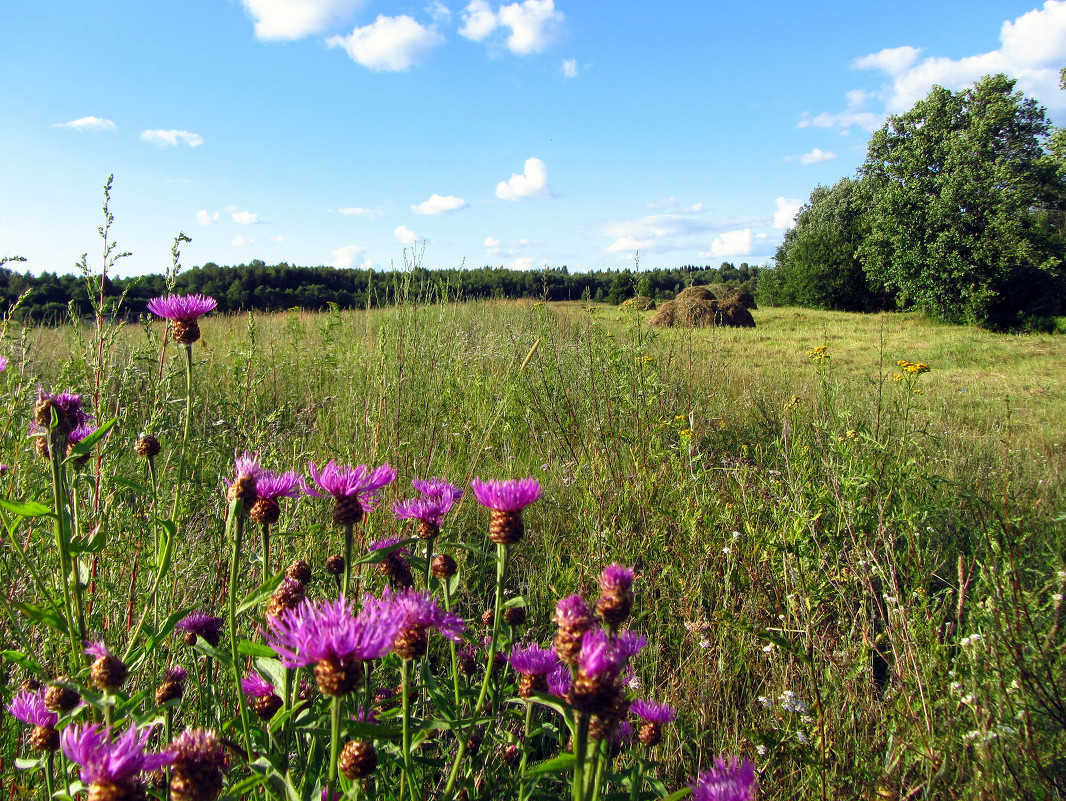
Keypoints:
pixel 23 661
pixel 677 795
pixel 204 647
pixel 249 648
pixel 261 594
pixel 84 447
pixel 518 600
pixel 26 508
pixel 39 614
pixel 564 763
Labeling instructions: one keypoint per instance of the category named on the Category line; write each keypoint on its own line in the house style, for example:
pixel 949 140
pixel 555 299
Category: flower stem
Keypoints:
pixel 56 445
pixel 185 433
pixel 405 673
pixel 236 522
pixel 349 535
pixel 577 790
pixel 334 745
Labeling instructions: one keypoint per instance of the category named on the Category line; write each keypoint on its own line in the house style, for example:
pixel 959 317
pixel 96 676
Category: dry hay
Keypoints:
pixel 732 292
pixel 696 313
pixel 638 303
pixel 695 293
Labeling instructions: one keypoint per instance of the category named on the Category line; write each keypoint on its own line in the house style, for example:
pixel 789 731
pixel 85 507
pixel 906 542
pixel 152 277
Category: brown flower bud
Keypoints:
pixel 148 446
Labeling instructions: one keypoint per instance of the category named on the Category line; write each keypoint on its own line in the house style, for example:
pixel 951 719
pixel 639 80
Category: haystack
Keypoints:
pixel 638 303
pixel 697 313
pixel 696 293
pixel 733 292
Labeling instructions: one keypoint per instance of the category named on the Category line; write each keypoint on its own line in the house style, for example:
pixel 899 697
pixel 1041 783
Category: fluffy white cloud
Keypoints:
pixel 532 183
pixel 731 243
pixel 787 209
pixel 172 138
pixel 439 204
pixel 356 211
pixel 817 155
pixel 479 20
pixel 246 218
pixel 206 218
pixel 345 257
pixel 532 23
pixel 241 241
pixel 389 44
pixel 664 233
pixel 294 19
pixel 87 124
pixel 1032 49
pixel 569 67
pixel 405 235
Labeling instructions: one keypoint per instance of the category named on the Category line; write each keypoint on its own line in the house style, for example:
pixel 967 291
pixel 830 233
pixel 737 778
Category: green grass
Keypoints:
pixel 787 517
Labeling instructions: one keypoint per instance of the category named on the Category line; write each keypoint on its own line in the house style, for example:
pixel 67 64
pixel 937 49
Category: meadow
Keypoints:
pixel 848 572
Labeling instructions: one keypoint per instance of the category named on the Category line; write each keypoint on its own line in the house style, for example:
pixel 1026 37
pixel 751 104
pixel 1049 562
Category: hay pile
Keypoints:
pixel 734 293
pixel 638 303
pixel 697 307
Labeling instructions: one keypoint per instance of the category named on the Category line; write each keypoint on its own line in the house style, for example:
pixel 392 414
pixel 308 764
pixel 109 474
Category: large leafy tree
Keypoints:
pixel 961 185
pixel 818 262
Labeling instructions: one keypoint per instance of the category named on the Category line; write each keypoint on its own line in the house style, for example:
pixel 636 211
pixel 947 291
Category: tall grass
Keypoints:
pixel 855 581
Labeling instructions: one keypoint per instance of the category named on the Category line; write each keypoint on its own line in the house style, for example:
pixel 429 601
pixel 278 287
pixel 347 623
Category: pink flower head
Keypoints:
pixel 351 482
pixel 329 630
pixel 600 657
pixel 417 609
pixel 256 686
pixel 388 542
pixel 728 780
pixel 437 487
pixel 181 308
pixel 616 578
pixel 653 713
pixel 96 648
pixel 199 624
pixel 3 363
pixel 506 496
pixel 176 673
pixel 629 643
pixel 429 509
pixel 572 612
pixel 67 407
pixel 532 660
pixel 29 707
pixel 107 759
pixel 271 485
pixel 559 680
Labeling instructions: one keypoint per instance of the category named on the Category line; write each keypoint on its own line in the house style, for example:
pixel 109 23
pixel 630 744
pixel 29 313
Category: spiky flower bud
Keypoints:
pixel 335 565
pixel 299 570
pixel 337 677
pixel 358 759
pixel 172 687
pixel 108 672
pixel 265 511
pixel 444 566
pixel 148 446
pixel 511 755
pixel 616 594
pixel 196 773
pixel 60 699
pixel 515 615
pixel 44 738
pixel 487 617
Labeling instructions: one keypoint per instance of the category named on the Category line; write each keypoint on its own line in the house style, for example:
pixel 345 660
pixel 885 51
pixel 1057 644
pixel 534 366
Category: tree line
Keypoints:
pixel 258 286
pixel 959 210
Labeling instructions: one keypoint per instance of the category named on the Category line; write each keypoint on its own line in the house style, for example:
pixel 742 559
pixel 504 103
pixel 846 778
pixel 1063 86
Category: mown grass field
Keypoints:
pixel 854 580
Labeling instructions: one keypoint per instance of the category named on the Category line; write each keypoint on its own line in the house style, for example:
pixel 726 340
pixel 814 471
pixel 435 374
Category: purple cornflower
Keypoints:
pixel 172 687
pixel 67 409
pixel 437 487
pixel 559 680
pixel 269 486
pixel 394 566
pixel 264 698
pixel 354 489
pixel 616 594
pixel 329 635
pixel 183 311
pixel 655 716
pixel 728 780
pixel 199 624
pixel 109 760
pixel 3 363
pixel 418 612
pixel 388 542
pixel 573 617
pixel 506 500
pixel 29 707
pixel 629 643
pixel 600 657
pixel 245 484
pixel 533 664
pixel 108 672
pixel 428 510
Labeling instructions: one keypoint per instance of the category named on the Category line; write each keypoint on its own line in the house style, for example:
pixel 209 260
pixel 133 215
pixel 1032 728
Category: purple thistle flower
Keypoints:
pixel 80 432
pixel 176 673
pixel 29 708
pixel 728 780
pixel 181 308
pixel 354 489
pixel 256 686
pixel 652 712
pixel 629 643
pixel 271 485
pixel 437 487
pixel 559 680
pixel 388 542
pixel 532 660
pixel 616 578
pixel 623 735
pixel 572 612
pixel 3 363
pixel 96 648
pixel 506 496
pixel 199 624
pixel 106 759
pixel 318 631
pixel 418 609
pixel 600 658
pixel 67 409
pixel 429 509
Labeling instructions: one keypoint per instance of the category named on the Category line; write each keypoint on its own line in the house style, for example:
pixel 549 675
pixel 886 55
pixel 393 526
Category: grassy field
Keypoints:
pixel 853 579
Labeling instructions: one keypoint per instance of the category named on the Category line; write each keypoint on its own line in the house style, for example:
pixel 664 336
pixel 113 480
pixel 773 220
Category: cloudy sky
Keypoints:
pixel 557 132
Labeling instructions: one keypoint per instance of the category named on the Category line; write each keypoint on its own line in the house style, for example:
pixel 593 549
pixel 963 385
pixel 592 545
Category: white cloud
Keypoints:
pixel 693 209
pixel 355 211
pixel 405 235
pixel 479 20
pixel 389 44
pixel 240 241
pixel 205 218
pixel 1032 49
pixel 730 243
pixel 532 183
pixel 172 138
pixel 533 24
pixel 345 257
pixel 787 209
pixel 491 242
pixel 440 12
pixel 246 218
pixel 87 124
pixel 816 156
pixel 664 233
pixel 665 203
pixel 438 204
pixel 277 238
pixel 569 67
pixel 294 19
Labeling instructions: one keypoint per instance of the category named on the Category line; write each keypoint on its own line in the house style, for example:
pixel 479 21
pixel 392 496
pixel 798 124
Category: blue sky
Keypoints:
pixel 557 132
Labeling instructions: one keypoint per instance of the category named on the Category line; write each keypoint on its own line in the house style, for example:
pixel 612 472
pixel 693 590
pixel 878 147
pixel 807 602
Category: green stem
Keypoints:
pixel 429 562
pixel 636 779
pixel 525 750
pixel 266 551
pixel 185 432
pixel 49 782
pixel 577 791
pixel 408 768
pixel 599 757
pixel 62 536
pixel 451 645
pixel 349 535
pixel 334 745
pixel 236 523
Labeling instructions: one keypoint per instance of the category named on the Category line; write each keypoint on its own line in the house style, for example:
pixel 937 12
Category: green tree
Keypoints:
pixel 959 184
pixel 818 262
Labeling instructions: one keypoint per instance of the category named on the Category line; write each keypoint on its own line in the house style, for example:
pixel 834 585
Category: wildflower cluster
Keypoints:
pixel 818 353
